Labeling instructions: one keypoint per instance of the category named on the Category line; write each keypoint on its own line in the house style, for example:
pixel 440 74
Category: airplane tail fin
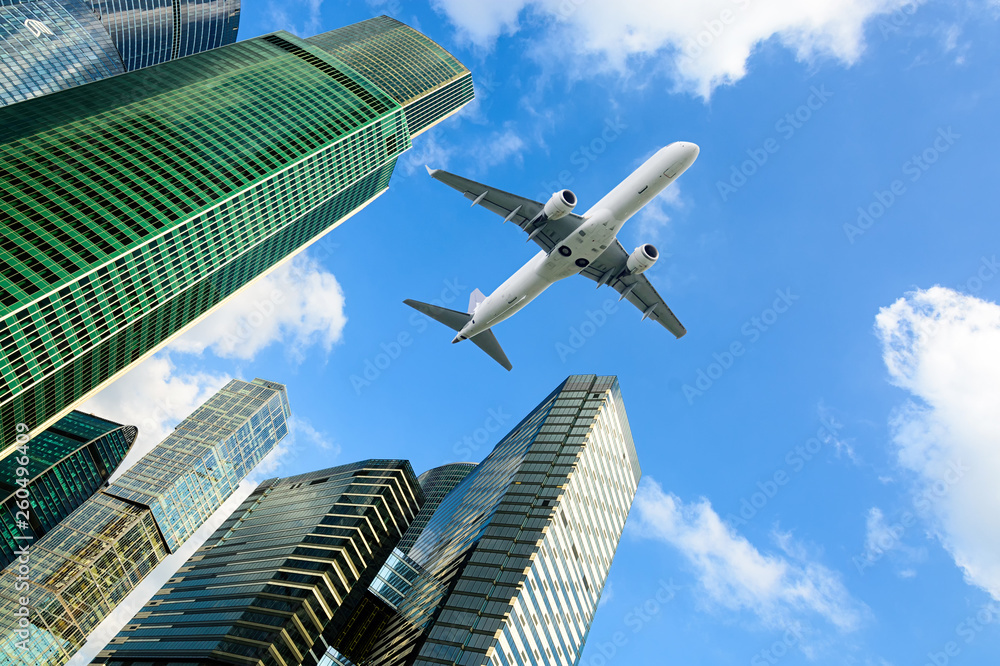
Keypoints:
pixel 475 298
pixel 455 321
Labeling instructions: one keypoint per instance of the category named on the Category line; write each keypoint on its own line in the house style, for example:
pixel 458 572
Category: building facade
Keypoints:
pixel 436 484
pixel 509 569
pixel 51 45
pixel 131 207
pixel 88 563
pixel 64 465
pixel 285 571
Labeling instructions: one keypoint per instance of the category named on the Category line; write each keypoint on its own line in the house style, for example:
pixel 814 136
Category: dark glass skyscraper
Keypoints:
pixel 283 572
pixel 50 45
pixel 436 484
pixel 88 563
pixel 521 547
pixel 131 206
pixel 65 465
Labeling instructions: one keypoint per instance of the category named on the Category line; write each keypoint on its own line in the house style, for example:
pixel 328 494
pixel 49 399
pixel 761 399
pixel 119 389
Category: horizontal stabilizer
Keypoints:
pixel 451 318
pixel 488 343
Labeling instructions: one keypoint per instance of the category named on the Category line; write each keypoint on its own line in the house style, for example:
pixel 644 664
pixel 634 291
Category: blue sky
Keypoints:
pixel 825 495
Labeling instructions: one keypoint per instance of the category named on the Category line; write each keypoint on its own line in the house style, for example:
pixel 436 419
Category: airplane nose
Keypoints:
pixel 692 150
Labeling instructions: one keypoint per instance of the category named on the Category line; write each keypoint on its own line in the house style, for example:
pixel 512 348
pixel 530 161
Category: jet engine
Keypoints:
pixel 559 205
pixel 641 259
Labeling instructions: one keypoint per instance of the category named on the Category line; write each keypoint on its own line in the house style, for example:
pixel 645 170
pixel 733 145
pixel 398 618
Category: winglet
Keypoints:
pixel 430 171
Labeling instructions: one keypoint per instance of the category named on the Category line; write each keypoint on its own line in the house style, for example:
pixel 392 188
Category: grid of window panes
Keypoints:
pixel 291 563
pixel 466 511
pixel 419 74
pixel 188 475
pixel 66 464
pixel 551 616
pixel 50 45
pixel 178 225
pixel 80 571
pixel 436 484
pixel 149 32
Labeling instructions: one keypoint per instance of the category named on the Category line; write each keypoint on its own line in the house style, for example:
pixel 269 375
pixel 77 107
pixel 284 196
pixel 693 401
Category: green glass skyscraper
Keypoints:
pixel 132 206
pixel 66 465
pixel 86 565
pixel 284 571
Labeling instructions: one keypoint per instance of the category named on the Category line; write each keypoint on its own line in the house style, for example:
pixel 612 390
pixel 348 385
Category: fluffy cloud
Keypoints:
pixel 784 591
pixel 155 397
pixel 702 44
pixel 944 348
pixel 299 304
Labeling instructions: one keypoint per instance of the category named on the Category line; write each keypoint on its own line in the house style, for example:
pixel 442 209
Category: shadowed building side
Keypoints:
pixel 285 571
pixel 64 465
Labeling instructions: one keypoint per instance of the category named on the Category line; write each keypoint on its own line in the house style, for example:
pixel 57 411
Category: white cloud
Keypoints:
pixel 155 397
pixel 784 591
pixel 653 219
pixel 882 538
pixel 701 44
pixel 944 348
pixel 298 304
pixel 279 15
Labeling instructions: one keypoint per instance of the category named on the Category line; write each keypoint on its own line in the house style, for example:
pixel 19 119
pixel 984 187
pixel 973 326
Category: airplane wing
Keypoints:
pixel 609 268
pixel 521 211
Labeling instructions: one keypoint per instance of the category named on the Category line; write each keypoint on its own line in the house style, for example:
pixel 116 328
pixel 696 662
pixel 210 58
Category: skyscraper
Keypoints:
pixel 132 206
pixel 284 571
pixel 521 547
pixel 436 484
pixel 65 465
pixel 95 557
pixel 50 45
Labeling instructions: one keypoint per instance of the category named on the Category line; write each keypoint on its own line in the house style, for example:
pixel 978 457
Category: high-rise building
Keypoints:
pixel 88 563
pixel 436 484
pixel 64 466
pixel 50 45
pixel 283 572
pixel 520 548
pixel 132 206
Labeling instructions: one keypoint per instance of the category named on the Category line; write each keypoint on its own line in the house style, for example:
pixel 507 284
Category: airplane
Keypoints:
pixel 571 244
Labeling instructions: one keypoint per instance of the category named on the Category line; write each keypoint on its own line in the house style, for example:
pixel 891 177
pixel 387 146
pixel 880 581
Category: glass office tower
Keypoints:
pixel 284 571
pixel 88 563
pixel 50 45
pixel 65 465
pixel 436 484
pixel 520 548
pixel 132 206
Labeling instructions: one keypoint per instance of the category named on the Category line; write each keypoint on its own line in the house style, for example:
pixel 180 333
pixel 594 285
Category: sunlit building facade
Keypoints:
pixel 88 563
pixel 64 466
pixel 285 571
pixel 51 45
pixel 132 206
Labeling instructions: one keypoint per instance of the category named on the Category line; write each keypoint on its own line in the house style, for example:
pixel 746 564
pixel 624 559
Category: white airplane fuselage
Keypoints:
pixel 598 231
